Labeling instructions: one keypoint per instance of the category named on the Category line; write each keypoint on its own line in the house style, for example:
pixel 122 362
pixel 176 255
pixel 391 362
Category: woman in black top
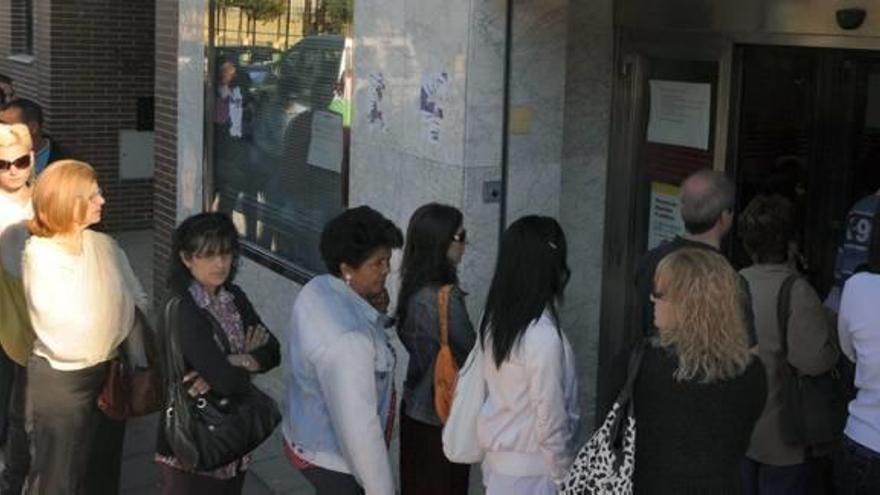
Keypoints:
pixel 699 391
pixel 223 340
pixel 434 246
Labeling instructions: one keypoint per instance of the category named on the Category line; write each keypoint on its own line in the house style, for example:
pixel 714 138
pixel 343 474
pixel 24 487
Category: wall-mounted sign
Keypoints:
pixel 665 219
pixel 681 113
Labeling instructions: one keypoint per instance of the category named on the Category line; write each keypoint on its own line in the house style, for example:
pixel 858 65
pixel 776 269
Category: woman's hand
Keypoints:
pixel 245 361
pixel 199 386
pixel 257 336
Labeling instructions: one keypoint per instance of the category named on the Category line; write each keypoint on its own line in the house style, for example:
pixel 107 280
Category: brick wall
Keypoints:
pixel 92 61
pixel 27 72
pixel 101 62
pixel 165 177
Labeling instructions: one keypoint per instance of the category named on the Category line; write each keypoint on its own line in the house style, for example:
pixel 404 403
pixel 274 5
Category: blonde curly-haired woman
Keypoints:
pixel 699 390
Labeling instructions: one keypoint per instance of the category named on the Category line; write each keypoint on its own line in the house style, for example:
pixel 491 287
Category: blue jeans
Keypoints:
pixel 764 479
pixel 856 469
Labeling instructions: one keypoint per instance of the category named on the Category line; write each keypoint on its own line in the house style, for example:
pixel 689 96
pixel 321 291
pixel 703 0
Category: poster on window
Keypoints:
pixel 325 147
pixel 665 218
pixel 681 113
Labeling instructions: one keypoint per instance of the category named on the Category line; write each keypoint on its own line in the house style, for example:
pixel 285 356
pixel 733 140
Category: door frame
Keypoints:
pixel 629 111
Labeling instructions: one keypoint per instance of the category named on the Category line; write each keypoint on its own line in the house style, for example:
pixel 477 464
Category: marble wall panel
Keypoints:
pixel 481 220
pixel 537 99
pixel 584 172
pixel 485 84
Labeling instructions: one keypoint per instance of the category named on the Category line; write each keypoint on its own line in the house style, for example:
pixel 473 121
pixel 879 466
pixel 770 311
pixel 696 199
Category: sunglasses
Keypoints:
pixel 20 163
pixel 460 236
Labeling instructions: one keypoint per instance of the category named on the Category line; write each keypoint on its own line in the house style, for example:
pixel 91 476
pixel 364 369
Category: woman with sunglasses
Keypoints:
pixel 434 246
pixel 16 337
pixel 81 294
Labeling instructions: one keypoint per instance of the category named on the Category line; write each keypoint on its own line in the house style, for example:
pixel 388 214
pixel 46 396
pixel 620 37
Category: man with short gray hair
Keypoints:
pixel 707 200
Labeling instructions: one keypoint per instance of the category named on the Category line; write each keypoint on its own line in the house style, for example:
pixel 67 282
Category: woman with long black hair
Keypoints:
pixel 527 424
pixel 434 247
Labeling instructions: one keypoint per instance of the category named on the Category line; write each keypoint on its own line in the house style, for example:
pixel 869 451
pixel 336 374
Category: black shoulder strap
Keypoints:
pixel 783 307
pixel 632 370
pixel 174 367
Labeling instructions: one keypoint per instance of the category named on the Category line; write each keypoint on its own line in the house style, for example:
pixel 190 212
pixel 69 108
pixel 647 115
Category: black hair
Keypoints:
pixel 354 235
pixel 530 276
pixel 766 228
pixel 31 112
pixel 425 259
pixel 203 234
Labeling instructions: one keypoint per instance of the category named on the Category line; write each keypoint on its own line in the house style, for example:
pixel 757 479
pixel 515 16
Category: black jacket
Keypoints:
pixel 201 352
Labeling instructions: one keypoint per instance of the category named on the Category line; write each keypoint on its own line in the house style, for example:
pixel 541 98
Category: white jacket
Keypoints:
pixel 528 422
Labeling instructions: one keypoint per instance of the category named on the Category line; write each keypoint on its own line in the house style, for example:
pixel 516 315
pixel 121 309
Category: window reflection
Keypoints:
pixel 281 121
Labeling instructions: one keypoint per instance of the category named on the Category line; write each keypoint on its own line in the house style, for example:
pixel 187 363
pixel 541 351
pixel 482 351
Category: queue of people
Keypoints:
pixel 718 350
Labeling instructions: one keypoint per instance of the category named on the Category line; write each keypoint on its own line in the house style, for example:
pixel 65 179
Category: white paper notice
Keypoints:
pixel 325 148
pixel 665 222
pixel 680 113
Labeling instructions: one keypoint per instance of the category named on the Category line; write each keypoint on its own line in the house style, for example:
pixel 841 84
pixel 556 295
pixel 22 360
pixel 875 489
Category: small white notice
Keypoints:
pixel 325 147
pixel 680 113
pixel 665 222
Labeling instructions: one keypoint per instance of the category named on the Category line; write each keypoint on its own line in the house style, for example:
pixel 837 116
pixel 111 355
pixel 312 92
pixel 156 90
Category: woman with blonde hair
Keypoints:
pixel 699 390
pixel 81 295
pixel 16 337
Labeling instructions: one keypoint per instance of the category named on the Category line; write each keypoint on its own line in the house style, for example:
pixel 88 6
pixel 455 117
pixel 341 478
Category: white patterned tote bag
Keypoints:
pixel 605 464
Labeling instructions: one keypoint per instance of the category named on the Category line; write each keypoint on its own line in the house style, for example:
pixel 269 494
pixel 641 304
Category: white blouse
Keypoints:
pixel 81 305
pixel 859 332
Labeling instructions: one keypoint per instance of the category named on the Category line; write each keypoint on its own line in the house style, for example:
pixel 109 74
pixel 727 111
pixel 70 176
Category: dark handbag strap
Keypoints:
pixel 625 399
pixel 632 371
pixel 783 308
pixel 173 356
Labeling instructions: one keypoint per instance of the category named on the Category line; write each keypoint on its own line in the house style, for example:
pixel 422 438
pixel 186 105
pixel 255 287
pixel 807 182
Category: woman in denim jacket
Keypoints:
pixel 434 246
pixel 340 395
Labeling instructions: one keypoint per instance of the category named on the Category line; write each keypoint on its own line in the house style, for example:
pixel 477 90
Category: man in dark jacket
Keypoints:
pixel 707 201
pixel 29 113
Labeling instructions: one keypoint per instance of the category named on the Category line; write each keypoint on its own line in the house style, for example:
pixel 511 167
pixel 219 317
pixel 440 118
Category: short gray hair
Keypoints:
pixel 705 195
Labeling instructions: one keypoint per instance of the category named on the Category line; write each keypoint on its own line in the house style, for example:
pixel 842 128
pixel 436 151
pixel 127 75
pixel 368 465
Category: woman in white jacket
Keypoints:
pixel 528 422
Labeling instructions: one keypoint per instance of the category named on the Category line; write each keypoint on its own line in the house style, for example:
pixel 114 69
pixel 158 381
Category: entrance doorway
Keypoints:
pixel 806 123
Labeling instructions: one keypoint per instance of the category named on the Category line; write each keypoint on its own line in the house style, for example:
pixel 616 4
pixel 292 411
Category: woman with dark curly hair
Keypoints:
pixel 340 397
pixel 222 338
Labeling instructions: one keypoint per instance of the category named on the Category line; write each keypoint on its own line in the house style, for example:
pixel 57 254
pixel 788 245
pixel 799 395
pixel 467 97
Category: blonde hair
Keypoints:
pixel 15 135
pixel 61 197
pixel 708 333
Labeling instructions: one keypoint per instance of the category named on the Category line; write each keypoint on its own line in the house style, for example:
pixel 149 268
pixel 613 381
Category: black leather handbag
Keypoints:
pixel 815 407
pixel 210 431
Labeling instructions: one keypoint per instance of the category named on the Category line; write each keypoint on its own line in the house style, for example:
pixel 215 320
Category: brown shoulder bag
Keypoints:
pixel 445 369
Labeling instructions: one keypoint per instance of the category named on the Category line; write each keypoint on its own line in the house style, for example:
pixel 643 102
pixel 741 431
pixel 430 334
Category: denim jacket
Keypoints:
pixel 340 383
pixel 420 334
